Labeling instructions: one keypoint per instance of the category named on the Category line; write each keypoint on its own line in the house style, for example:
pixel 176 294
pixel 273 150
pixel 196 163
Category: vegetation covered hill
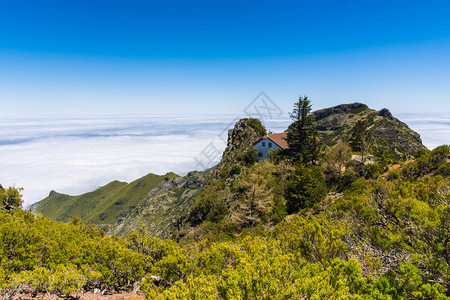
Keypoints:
pixel 384 238
pixel 311 223
pixel 390 134
pixel 64 208
pixel 155 201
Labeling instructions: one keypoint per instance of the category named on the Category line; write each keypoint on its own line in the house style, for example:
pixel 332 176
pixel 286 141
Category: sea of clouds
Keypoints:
pixel 434 129
pixel 74 155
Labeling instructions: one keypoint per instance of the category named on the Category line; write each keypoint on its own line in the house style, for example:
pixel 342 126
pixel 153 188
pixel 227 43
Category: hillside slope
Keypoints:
pixel 61 207
pixel 160 204
pixel 156 201
pixel 335 123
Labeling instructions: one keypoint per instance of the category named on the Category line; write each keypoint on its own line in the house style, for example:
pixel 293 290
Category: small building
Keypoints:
pixel 269 142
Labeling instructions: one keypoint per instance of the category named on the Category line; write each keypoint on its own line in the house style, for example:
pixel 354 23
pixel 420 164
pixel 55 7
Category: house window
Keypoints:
pixel 270 145
pixel 263 144
pixel 260 154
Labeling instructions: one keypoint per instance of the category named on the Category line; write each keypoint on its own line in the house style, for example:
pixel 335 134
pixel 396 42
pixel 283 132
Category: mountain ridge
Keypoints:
pixel 120 207
pixel 335 124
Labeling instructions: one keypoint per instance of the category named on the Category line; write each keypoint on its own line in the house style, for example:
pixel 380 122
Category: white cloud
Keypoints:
pixel 434 129
pixel 76 155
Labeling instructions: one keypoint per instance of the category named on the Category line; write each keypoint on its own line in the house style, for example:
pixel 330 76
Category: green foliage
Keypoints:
pixel 62 258
pixel 380 239
pixel 410 219
pixel 10 198
pixel 373 170
pixel 211 205
pixel 428 162
pixel 361 139
pixel 383 155
pixel 63 280
pixel 257 195
pixel 103 205
pixel 305 187
pixel 257 125
pixel 344 181
pixel 254 197
pixel 316 239
pixel 304 145
pixel 444 169
pixel 302 258
pixel 336 166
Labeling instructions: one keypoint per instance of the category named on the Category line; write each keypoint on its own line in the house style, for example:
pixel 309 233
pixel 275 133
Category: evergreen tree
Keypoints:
pixel 302 138
pixel 360 139
pixel 305 187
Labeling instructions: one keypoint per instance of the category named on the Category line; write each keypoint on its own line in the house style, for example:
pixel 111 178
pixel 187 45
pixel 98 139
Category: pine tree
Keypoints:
pixel 360 139
pixel 301 136
pixel 305 187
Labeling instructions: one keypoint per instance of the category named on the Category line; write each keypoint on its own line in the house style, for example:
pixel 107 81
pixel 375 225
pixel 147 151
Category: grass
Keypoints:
pixel 103 205
pixel 64 208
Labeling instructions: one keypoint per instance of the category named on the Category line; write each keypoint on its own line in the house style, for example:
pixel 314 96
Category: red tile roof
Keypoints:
pixel 278 138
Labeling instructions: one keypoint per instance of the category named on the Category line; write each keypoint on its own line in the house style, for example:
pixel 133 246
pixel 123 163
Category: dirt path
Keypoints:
pixel 85 296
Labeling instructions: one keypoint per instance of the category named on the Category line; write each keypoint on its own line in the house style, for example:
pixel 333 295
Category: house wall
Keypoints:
pixel 264 147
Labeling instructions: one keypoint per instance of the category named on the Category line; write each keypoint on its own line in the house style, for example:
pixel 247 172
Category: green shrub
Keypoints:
pixel 373 171
pixel 305 187
pixel 257 125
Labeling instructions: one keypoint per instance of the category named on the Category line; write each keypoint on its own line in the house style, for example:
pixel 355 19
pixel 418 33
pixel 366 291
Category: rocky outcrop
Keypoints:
pixel 323 113
pixel 335 123
pixel 386 113
pixel 239 150
pixel 159 212
pixel 242 135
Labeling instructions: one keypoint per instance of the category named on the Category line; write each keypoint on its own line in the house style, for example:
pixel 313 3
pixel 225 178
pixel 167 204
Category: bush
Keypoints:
pixel 373 171
pixel 427 162
pixel 305 187
pixel 257 125
pixel 345 180
pixel 10 198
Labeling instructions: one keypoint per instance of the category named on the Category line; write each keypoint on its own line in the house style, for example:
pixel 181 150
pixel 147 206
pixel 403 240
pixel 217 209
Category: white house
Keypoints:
pixel 269 142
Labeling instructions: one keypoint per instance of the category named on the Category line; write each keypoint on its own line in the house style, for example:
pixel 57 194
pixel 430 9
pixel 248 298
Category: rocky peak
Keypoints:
pixel 335 124
pixel 386 114
pixel 323 113
pixel 239 145
pixel 242 134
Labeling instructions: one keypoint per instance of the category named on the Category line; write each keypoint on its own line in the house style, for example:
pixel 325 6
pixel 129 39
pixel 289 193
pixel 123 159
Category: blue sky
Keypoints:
pixel 152 57
pixel 79 60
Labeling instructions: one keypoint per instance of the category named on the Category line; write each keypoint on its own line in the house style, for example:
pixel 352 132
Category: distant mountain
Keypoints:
pixel 335 123
pixel 283 228
pixel 163 203
pixel 156 201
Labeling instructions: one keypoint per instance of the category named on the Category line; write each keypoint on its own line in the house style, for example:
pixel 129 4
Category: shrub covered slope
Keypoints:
pixel 326 227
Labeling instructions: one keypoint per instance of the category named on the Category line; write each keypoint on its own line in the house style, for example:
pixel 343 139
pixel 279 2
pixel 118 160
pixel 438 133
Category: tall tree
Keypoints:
pixel 302 138
pixel 305 187
pixel 360 139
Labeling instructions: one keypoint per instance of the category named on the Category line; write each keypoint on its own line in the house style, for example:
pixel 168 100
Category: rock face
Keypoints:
pixel 386 113
pixel 159 211
pixel 153 202
pixel 242 135
pixel 239 147
pixel 335 124
pixel 339 109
